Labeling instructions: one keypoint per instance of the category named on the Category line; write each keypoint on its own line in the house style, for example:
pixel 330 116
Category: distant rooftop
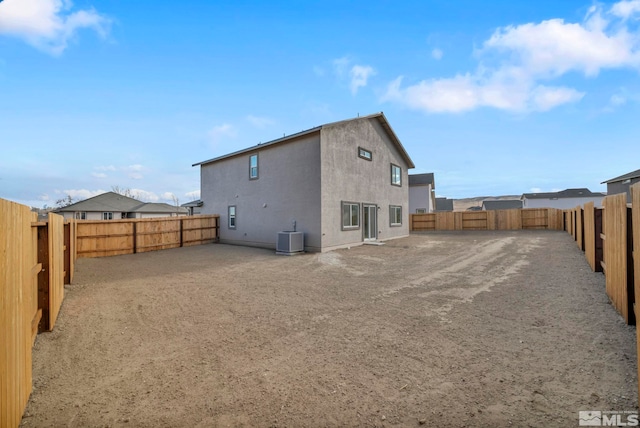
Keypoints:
pixel 627 176
pixel 444 204
pixel 564 194
pixel 422 179
pixel 504 204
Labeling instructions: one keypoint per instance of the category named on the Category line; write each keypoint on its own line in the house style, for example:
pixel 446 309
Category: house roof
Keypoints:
pixel 105 202
pixel 111 201
pixel 444 204
pixel 196 203
pixel 505 204
pixel 378 116
pixel 158 207
pixel 627 176
pixel 422 179
pixel 563 194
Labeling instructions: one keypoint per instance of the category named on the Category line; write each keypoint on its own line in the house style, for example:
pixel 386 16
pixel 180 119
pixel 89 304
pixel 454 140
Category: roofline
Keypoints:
pixel 260 145
pixel 380 116
pixel 628 176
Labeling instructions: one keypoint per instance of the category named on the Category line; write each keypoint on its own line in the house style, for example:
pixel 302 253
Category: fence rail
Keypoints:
pixel 102 238
pixel 515 219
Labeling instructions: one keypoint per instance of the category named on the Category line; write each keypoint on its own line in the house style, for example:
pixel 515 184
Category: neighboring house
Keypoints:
pixel 342 184
pixel 503 204
pixel 113 206
pixel 422 198
pixel 444 204
pixel 621 184
pixel 193 207
pixel 565 199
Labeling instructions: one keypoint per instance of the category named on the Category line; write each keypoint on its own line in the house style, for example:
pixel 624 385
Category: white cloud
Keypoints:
pixel 48 24
pixel 617 100
pixel 437 54
pixel 105 168
pixel 78 194
pixel 536 190
pixel 221 131
pixel 517 61
pixel 341 65
pixel 359 76
pixel 259 122
pixel 194 195
pixel 144 195
pixel 99 175
pixel 134 171
pixel 167 196
pixel 626 9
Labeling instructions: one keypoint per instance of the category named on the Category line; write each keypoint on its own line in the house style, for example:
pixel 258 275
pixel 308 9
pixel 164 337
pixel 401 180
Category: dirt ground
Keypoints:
pixel 443 329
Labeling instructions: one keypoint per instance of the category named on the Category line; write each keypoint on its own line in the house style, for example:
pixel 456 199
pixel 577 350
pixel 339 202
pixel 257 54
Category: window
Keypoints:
pixel 350 215
pixel 364 154
pixel 421 210
pixel 395 215
pixel 81 216
pixel 232 217
pixel 253 167
pixel 107 216
pixel 396 175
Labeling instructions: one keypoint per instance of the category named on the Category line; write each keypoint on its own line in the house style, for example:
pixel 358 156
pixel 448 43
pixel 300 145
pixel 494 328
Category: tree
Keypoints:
pixel 124 192
pixel 66 201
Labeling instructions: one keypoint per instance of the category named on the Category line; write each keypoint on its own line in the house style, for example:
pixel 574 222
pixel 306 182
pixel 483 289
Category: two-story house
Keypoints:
pixel 341 184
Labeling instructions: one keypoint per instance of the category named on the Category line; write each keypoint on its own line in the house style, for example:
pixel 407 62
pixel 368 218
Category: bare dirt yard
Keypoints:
pixel 442 329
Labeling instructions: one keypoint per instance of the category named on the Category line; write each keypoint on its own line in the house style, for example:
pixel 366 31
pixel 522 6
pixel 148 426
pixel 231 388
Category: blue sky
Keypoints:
pixel 494 97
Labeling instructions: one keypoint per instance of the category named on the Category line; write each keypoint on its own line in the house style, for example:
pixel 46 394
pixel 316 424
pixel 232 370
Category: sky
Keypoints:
pixel 498 97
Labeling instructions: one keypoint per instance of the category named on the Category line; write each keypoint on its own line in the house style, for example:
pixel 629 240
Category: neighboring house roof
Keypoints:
pixel 444 204
pixel 158 207
pixel 379 116
pixel 627 176
pixel 563 194
pixel 506 204
pixel 422 179
pixel 111 201
pixel 196 203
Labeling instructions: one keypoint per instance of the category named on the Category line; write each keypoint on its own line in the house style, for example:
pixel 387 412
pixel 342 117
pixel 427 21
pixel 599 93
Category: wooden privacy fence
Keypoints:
pixel 515 219
pixel 36 260
pixel 606 236
pixel 610 238
pixel 102 238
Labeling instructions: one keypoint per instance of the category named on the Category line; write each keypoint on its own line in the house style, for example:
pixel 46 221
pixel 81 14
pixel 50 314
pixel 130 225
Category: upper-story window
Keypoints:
pixel 364 154
pixel 396 175
pixel 253 167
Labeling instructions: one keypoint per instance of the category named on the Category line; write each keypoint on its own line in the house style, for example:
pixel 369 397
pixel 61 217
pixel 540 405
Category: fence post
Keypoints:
pixel 181 232
pixel 135 237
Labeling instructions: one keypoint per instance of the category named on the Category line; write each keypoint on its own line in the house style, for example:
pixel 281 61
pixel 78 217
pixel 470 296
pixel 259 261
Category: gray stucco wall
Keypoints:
pixel 287 189
pixel 621 187
pixel 347 177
